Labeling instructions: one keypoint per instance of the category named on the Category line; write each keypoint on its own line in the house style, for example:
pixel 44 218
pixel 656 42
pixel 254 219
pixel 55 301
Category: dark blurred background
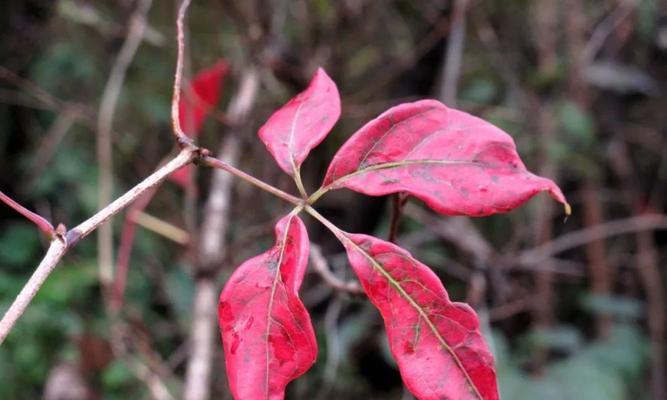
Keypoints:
pixel 574 309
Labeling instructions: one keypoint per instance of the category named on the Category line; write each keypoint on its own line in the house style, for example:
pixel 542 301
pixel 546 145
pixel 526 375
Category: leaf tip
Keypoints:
pixel 568 209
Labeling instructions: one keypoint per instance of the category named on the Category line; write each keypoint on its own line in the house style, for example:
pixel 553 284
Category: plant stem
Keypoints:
pixel 83 229
pixel 108 104
pixel 56 251
pixel 217 163
pixel 316 196
pixel 181 138
pixel 43 225
pixel 299 183
pixel 64 241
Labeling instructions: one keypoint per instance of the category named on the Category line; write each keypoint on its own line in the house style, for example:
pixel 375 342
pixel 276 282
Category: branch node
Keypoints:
pixel 72 238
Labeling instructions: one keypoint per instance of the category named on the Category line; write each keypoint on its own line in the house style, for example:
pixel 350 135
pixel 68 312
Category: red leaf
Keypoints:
pixel 437 344
pixel 202 94
pixel 200 97
pixel 266 331
pixel 302 123
pixel 455 162
pixel 182 176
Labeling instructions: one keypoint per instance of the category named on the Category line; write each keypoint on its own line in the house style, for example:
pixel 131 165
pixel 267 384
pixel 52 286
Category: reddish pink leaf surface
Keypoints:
pixel 302 123
pixel 197 101
pixel 200 97
pixel 436 343
pixel 266 330
pixel 457 163
pixel 182 176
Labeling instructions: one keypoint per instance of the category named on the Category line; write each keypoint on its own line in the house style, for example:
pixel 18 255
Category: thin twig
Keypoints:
pixel 56 251
pixel 452 65
pixel 41 95
pixel 108 104
pixel 220 164
pixel 397 203
pixel 181 138
pixel 605 28
pixel 198 373
pixel 49 144
pixel 321 266
pixel 597 232
pixel 65 241
pixel 83 229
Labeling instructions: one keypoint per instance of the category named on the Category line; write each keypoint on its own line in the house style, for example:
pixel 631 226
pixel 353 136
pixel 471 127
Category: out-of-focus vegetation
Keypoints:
pixel 576 309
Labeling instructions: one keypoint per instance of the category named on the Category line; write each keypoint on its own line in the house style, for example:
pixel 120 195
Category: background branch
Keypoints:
pixel 108 104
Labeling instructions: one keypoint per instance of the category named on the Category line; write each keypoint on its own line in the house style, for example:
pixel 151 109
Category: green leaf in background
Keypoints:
pixel 480 91
pixel 61 65
pixel 583 378
pixel 561 337
pixel 647 18
pixel 577 123
pixel 19 245
pixel 609 369
pixel 67 284
pixel 116 376
pixel 180 289
pixel 623 308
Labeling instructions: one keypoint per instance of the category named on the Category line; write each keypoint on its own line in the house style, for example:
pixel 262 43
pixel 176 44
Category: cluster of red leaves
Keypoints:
pixel 457 164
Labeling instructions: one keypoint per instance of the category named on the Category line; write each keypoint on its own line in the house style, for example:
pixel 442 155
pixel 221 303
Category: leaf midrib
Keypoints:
pixel 276 279
pixel 403 163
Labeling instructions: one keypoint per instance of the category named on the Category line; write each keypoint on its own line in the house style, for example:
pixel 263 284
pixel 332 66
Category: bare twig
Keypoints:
pixel 181 138
pixel 108 104
pixel 64 241
pixel 83 229
pixel 322 268
pixel 605 28
pixel 49 144
pixel 452 65
pixel 597 232
pixel 56 251
pixel 198 373
pixel 397 203
pixel 459 231
pixel 45 98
